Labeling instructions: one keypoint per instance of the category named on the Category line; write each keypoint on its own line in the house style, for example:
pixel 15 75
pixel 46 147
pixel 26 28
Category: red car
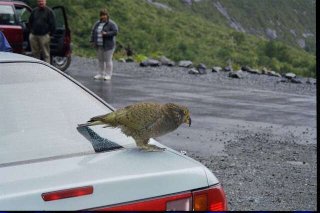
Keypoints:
pixel 14 17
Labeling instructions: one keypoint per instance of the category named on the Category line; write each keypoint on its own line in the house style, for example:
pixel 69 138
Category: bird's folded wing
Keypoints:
pixel 142 117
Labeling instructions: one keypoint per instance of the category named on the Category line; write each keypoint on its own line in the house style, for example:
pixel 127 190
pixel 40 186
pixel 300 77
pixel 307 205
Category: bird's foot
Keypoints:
pixel 152 148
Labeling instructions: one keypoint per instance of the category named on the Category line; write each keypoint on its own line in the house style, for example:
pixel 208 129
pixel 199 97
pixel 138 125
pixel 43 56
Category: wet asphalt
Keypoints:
pixel 226 114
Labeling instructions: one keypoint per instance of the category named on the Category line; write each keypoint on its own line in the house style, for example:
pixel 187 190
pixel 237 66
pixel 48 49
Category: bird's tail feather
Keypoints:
pixel 108 120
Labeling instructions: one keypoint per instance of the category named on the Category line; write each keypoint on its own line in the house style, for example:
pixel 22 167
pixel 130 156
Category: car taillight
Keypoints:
pixel 67 193
pixel 211 199
pixel 179 202
pixel 184 204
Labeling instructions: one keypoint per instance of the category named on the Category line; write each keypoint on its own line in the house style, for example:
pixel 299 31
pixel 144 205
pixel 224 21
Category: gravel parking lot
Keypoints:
pixel 256 134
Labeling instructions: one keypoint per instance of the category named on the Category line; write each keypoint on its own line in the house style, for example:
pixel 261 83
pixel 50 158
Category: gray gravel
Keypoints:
pixel 264 161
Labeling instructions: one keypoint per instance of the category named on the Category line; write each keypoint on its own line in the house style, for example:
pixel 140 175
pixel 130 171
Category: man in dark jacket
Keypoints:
pixel 42 25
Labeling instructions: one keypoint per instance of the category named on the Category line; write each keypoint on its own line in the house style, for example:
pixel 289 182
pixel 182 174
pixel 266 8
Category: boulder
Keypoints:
pixel 237 74
pixel 265 71
pixel 290 75
pixel 296 81
pixel 216 69
pixel 254 71
pixel 150 62
pixel 273 73
pixel 193 71
pixel 187 64
pixel 250 70
pixel 245 68
pixel 165 61
pixel 228 68
pixel 202 69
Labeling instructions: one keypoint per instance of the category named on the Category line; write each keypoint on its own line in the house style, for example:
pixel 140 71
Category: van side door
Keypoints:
pixel 61 39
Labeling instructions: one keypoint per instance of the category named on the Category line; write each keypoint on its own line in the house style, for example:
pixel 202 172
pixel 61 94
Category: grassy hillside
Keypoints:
pixel 181 34
pixel 289 19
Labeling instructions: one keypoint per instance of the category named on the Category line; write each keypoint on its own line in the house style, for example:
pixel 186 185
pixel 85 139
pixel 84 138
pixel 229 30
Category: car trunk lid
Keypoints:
pixel 116 177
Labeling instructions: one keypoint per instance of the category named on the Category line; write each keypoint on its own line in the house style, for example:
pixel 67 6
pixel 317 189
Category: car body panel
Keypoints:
pixel 118 176
pixel 12 57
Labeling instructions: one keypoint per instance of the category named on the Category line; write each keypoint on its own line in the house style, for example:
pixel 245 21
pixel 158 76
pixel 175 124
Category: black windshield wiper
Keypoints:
pixel 99 144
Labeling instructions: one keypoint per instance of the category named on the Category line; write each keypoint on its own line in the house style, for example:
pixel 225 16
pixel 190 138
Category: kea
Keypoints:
pixel 143 121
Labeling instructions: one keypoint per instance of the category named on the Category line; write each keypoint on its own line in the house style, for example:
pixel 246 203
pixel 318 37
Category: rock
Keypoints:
pixel 129 59
pixel 265 71
pixel 228 68
pixel 122 60
pixel 283 80
pixel 271 34
pixel 296 81
pixel 143 64
pixel 202 69
pixel 165 61
pixel 250 70
pixel 150 62
pixel 245 68
pixel 238 74
pixel 273 73
pixel 254 71
pixel 193 71
pixel 290 75
pixel 216 69
pixel 187 64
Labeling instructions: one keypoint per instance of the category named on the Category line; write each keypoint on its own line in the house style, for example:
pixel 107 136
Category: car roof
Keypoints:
pixel 6 2
pixel 13 57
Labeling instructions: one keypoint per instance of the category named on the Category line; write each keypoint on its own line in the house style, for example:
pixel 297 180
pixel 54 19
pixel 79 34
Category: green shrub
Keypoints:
pixel 140 58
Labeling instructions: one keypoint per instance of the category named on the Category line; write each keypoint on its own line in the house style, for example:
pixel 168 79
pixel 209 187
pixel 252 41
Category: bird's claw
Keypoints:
pixel 152 148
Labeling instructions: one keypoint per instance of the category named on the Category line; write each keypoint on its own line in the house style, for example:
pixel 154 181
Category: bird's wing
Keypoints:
pixel 139 117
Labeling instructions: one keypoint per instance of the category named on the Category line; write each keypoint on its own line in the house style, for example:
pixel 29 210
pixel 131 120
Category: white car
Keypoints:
pixel 48 163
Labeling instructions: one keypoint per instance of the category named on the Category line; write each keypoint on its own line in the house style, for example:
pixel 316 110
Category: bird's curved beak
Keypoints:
pixel 188 121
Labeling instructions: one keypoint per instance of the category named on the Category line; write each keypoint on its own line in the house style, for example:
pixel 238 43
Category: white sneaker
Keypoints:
pixel 98 77
pixel 107 77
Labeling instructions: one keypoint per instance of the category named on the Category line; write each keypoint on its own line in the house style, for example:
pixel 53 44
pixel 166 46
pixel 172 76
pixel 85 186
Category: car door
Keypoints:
pixel 61 39
pixel 10 27
pixel 23 13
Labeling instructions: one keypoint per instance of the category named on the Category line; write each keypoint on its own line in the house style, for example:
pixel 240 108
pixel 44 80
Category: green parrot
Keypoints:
pixel 143 121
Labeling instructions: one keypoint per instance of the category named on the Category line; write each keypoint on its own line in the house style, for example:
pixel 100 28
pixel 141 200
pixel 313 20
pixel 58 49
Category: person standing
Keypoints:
pixel 103 38
pixel 42 25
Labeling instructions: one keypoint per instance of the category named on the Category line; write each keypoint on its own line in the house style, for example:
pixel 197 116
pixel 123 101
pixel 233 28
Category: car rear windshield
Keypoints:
pixel 40 111
pixel 7 15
